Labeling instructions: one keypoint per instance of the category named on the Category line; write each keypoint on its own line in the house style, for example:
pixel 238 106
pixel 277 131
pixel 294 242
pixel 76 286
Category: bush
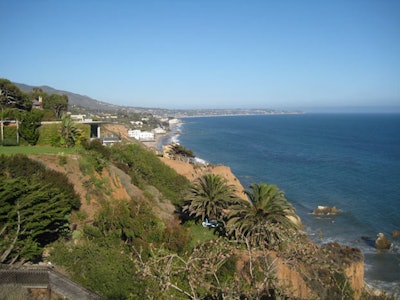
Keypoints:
pixel 97 146
pixel 49 135
pixel 145 168
pixel 62 160
pixel 105 267
pixel 10 134
pixel 35 208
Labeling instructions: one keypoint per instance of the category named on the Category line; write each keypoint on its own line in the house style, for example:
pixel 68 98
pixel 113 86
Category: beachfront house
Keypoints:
pixel 173 122
pixel 144 136
pixel 159 130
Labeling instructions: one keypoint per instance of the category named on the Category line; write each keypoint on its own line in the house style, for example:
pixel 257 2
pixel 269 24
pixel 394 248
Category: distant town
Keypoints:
pixel 84 105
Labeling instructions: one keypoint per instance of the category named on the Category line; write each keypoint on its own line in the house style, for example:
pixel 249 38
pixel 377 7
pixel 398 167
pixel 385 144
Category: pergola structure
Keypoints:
pixel 8 123
pixel 94 128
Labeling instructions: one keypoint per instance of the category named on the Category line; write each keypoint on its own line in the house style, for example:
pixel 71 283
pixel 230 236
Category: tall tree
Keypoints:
pixel 209 196
pixel 12 97
pixel 57 103
pixel 31 215
pixel 34 209
pixel 29 125
pixel 264 219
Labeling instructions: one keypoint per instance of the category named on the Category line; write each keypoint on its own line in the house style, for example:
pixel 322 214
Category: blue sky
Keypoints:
pixel 208 53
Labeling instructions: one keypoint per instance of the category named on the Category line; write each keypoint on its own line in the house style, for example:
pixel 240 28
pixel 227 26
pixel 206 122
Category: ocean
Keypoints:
pixel 351 161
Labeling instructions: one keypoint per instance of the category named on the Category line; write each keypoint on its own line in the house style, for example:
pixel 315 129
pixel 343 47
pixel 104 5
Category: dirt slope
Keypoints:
pixel 115 184
pixel 192 172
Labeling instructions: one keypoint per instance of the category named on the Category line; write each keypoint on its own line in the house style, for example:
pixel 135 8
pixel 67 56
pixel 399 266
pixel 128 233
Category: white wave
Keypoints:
pixel 198 160
pixel 382 286
pixel 178 127
pixel 395 248
pixel 175 139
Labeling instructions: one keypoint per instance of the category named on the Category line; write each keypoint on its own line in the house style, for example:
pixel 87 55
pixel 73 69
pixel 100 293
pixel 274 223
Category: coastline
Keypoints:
pixel 355 271
pixel 159 141
pixel 346 228
pixel 153 145
pixel 167 138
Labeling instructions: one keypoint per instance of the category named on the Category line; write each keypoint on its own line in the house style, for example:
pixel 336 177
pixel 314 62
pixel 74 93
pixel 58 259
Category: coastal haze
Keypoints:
pixel 85 102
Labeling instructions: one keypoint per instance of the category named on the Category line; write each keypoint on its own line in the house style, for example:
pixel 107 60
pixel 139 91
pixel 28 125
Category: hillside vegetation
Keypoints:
pixel 130 236
pixel 122 222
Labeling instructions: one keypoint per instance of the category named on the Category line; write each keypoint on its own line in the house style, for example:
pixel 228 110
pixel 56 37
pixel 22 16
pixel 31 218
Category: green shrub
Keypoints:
pixel 96 146
pixel 145 168
pixel 85 166
pixel 49 135
pixel 104 267
pixel 10 134
pixel 35 207
pixel 62 160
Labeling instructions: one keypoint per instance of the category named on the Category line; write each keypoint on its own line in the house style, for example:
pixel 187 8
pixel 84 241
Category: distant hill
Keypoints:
pixel 95 105
pixel 74 99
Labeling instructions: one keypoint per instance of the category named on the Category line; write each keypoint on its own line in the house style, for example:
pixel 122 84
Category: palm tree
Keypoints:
pixel 69 132
pixel 265 218
pixel 209 196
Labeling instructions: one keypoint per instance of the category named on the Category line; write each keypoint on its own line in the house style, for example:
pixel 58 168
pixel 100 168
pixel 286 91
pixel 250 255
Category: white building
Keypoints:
pixel 141 135
pixel 134 133
pixel 78 117
pixel 146 136
pixel 159 130
pixel 137 123
pixel 174 122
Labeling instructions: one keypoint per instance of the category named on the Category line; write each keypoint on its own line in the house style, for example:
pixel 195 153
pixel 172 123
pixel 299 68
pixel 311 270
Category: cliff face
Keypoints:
pixel 303 274
pixel 93 189
pixel 355 274
pixel 310 275
pixel 297 278
pixel 192 172
pixel 292 279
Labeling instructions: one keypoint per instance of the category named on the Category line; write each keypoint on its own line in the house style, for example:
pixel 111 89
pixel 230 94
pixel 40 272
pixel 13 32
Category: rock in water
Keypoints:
pixel 325 210
pixel 382 242
pixel 395 233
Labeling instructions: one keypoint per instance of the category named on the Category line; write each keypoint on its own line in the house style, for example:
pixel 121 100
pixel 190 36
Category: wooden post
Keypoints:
pixel 17 132
pixel 2 133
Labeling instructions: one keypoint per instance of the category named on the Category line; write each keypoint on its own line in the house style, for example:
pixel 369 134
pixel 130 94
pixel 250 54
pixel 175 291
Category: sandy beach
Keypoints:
pixel 155 144
pixel 162 139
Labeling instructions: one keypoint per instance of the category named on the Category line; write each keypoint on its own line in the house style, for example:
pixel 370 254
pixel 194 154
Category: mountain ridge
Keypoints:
pixel 74 98
pixel 96 105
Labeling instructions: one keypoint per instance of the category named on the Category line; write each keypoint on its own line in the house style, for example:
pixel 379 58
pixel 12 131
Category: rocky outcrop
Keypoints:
pixel 308 271
pixel 325 210
pixel 296 220
pixel 395 233
pixel 289 278
pixel 355 275
pixel 382 242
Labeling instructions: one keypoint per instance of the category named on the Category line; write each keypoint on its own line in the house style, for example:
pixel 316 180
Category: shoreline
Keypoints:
pixel 162 139
pixel 375 261
pixel 153 145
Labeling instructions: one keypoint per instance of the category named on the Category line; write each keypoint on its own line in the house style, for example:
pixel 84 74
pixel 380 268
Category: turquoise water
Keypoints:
pixel 351 161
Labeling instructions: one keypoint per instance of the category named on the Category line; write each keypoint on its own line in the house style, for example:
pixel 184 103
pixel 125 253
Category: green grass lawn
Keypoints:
pixel 200 234
pixel 8 150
